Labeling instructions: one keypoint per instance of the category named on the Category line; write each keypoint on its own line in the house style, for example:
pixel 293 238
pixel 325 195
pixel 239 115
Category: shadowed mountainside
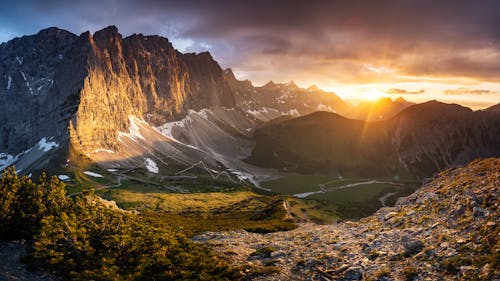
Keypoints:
pixel 418 142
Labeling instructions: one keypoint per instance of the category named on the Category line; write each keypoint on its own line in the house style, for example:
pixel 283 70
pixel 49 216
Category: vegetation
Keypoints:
pixel 210 211
pixel 81 239
pixel 347 203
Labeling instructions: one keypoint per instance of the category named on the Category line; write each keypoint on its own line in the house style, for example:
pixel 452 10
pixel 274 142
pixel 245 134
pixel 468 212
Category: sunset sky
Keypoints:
pixel 421 50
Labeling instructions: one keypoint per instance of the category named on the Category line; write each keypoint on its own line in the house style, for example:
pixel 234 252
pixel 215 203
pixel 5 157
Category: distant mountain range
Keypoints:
pixel 137 103
pixel 417 142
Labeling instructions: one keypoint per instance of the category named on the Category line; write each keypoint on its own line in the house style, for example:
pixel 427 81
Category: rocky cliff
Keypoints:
pixel 141 76
pixel 57 87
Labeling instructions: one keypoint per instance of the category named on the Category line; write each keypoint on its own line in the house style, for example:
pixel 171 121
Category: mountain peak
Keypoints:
pixel 228 73
pixel 400 100
pixel 434 109
pixel 270 84
pixel 292 84
pixel 51 30
pixel 314 87
pixel 106 33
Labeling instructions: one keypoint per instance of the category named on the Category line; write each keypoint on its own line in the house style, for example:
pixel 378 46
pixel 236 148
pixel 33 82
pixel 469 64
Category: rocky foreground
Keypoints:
pixel 447 230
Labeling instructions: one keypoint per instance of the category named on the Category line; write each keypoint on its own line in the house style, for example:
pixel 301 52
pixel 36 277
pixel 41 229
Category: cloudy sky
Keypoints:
pixel 421 50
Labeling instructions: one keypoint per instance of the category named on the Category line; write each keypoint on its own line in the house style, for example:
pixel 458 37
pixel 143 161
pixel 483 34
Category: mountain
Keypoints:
pixel 80 91
pixel 417 142
pixel 114 101
pixel 447 230
pixel 383 108
pixel 276 99
pixel 495 107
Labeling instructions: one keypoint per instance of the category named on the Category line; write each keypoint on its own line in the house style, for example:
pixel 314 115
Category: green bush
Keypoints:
pixel 23 203
pixel 81 239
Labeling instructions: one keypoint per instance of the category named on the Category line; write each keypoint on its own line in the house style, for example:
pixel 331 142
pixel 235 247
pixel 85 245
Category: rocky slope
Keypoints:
pixel 447 230
pixel 495 107
pixel 12 266
pixel 416 143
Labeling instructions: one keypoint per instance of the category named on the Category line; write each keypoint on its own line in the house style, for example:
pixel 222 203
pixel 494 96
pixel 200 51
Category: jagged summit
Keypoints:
pixel 292 85
pixel 269 84
pixel 400 100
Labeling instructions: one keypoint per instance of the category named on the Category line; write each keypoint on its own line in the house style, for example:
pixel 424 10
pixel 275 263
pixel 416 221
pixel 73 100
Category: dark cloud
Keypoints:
pixel 332 40
pixel 467 91
pixel 395 91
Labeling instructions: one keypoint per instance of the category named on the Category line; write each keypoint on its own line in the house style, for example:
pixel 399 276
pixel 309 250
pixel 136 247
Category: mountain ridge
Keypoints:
pixel 419 141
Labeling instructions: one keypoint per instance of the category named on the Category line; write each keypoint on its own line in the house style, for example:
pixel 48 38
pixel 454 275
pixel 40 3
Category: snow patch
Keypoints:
pixel 151 166
pixel 203 112
pixel 6 160
pixel 166 129
pixel 322 107
pixel 112 170
pixel 92 174
pixel 60 56
pixel 46 145
pixel 103 150
pixel 63 177
pixel 27 82
pixel 134 131
pixel 292 112
pixel 9 83
pixel 19 60
pixel 260 111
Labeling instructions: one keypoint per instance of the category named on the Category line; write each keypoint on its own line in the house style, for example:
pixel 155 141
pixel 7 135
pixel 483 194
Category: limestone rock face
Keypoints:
pixel 142 76
pixel 82 89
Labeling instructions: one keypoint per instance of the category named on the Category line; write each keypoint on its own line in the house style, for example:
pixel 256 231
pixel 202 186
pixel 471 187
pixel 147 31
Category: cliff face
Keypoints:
pixel 40 81
pixel 62 87
pixel 141 76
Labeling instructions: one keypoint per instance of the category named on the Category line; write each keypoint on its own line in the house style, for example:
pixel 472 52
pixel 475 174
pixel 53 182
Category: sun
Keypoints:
pixel 372 94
